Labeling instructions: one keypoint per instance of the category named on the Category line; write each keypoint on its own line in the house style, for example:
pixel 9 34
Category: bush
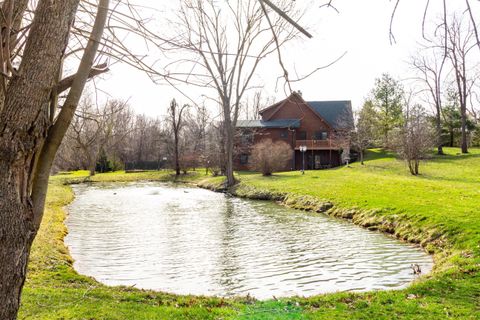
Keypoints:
pixel 415 140
pixel 269 157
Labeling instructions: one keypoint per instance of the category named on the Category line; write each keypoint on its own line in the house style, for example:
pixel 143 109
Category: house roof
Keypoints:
pixel 283 123
pixel 338 114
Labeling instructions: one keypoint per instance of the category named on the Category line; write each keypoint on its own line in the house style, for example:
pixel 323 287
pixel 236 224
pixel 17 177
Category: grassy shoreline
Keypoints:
pixel 55 291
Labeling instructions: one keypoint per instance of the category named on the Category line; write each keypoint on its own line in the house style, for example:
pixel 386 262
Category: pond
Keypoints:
pixel 185 240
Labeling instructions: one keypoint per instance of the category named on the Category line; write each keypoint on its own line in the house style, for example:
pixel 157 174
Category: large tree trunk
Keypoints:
pixel 23 124
pixel 16 235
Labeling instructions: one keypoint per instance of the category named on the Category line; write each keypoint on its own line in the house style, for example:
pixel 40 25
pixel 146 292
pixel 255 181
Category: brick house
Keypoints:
pixel 321 126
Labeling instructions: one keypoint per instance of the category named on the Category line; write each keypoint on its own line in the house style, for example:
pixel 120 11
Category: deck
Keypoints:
pixel 317 144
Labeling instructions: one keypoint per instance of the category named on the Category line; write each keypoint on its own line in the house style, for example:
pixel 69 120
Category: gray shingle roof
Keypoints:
pixel 338 114
pixel 284 123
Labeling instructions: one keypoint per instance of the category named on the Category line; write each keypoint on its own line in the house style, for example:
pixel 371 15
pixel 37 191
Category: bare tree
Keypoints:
pixel 95 130
pixel 85 132
pixel 142 124
pixel 460 42
pixel 444 25
pixel 222 46
pixel 415 140
pixel 176 120
pixel 119 129
pixel 429 64
pixel 197 124
pixel 252 105
pixel 215 149
pixel 269 157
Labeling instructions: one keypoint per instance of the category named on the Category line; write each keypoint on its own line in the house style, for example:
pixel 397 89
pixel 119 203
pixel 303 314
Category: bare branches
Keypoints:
pixel 475 28
pixel 12 38
pixel 445 8
pixel 57 131
pixel 222 46
pixel 415 139
pixel 460 43
pixel 290 20
pixel 95 129
pixel 430 66
pixel 390 33
pixel 330 5
pixel 320 68
pixel 279 54
pixel 177 122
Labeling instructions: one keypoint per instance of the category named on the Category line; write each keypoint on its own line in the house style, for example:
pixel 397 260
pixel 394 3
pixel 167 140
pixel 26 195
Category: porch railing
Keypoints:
pixel 316 144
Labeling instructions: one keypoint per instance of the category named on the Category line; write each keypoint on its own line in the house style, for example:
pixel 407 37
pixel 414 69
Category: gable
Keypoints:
pixel 291 104
pixel 336 114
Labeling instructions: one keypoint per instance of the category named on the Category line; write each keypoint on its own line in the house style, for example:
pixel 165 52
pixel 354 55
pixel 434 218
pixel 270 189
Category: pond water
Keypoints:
pixel 185 240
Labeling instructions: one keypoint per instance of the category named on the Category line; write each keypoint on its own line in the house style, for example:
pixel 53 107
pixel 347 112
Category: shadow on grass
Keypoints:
pixel 370 155
pixel 378 154
pixel 384 162
pixel 451 158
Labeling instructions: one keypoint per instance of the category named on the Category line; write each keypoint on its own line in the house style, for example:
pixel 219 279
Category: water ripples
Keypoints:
pixel 192 241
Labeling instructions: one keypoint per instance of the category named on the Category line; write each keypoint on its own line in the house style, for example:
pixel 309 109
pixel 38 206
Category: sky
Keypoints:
pixel 360 28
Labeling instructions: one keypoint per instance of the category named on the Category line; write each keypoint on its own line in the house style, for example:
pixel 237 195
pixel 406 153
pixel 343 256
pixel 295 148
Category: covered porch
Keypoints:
pixel 317 159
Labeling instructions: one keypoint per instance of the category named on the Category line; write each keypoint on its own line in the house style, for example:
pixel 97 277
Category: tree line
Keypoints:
pixel 113 137
pixel 394 120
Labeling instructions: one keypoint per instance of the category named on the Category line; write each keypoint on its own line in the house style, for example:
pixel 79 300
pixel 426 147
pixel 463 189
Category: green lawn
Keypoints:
pixel 445 196
pixel 439 209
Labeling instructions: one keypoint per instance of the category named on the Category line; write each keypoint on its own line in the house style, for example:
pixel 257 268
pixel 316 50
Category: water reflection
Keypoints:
pixel 192 241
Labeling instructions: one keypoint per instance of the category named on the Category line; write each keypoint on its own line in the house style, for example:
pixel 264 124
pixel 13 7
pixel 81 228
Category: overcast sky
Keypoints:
pixel 361 29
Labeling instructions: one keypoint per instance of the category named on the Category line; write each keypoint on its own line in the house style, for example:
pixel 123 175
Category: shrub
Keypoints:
pixel 269 157
pixel 415 140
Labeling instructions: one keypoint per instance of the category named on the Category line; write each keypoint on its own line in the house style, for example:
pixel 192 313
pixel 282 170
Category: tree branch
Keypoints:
pixel 286 17
pixel 67 82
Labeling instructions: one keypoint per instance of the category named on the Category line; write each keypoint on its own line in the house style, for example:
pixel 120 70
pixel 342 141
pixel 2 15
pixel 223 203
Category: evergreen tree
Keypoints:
pixel 387 97
pixel 452 120
pixel 366 133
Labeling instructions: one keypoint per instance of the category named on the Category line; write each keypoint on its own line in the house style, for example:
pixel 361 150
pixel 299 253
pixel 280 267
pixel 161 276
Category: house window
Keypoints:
pixel 301 135
pixel 284 134
pixel 247 137
pixel 320 135
pixel 243 159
